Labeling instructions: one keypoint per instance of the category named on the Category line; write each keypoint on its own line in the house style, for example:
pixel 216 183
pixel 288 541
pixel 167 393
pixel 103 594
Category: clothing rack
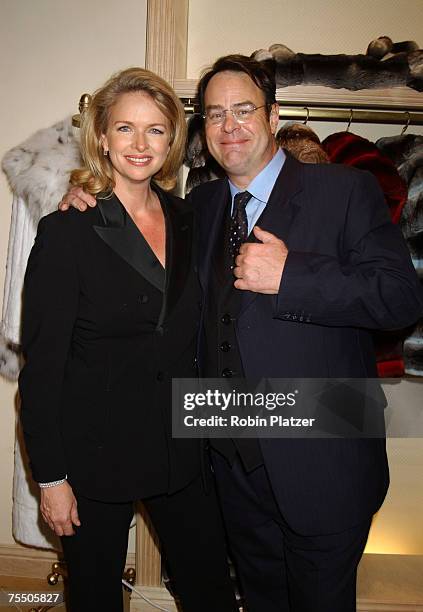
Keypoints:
pixel 337 112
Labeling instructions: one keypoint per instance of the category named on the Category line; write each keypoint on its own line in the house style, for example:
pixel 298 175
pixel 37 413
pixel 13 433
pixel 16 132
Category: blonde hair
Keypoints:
pixel 97 174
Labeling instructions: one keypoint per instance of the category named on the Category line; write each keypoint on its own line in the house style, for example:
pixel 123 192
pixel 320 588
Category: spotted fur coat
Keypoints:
pixel 38 173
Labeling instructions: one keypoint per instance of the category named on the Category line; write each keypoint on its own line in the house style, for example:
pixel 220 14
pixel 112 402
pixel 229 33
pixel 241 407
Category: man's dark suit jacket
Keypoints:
pixel 348 271
pixel 104 332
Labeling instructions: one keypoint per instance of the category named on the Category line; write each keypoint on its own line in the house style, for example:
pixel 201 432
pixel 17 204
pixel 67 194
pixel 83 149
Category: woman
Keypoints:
pixel 110 310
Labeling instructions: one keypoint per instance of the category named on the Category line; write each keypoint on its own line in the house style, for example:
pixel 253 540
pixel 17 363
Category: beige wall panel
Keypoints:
pixel 398 527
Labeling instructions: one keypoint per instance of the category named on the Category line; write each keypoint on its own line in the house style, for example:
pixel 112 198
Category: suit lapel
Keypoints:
pixel 281 210
pixel 123 236
pixel 179 230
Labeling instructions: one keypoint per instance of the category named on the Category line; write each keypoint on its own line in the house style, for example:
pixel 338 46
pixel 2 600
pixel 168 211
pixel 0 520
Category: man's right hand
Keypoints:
pixel 77 198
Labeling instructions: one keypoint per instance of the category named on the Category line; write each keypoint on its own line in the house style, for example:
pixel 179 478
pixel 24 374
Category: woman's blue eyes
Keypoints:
pixel 127 128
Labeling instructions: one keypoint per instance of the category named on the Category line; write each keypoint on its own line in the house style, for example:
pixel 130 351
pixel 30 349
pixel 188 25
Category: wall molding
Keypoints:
pixel 390 583
pixel 167 38
pixel 371 606
pixel 22 561
pixel 395 98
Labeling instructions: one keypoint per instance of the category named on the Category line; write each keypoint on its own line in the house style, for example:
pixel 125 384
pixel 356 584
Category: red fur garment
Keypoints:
pixel 353 150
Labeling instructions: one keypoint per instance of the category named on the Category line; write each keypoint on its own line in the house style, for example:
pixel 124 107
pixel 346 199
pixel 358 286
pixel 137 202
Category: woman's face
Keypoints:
pixel 137 139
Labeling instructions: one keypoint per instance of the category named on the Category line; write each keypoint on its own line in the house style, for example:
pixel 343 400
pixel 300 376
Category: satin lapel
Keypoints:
pixel 179 236
pixel 281 210
pixel 122 235
pixel 211 224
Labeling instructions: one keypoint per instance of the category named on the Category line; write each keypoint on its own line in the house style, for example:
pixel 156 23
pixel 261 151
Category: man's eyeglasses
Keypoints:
pixel 242 113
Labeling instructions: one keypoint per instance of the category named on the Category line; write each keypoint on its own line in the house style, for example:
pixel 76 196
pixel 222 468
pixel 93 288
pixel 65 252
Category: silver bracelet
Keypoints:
pixel 47 485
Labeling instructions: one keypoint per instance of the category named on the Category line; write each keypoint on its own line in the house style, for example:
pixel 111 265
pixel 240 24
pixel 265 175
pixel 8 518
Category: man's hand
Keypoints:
pixel 59 509
pixel 77 198
pixel 259 267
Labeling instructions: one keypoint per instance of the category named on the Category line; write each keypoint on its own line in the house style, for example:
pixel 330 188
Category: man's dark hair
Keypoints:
pixel 258 72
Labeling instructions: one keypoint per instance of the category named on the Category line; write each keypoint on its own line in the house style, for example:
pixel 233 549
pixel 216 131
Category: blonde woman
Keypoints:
pixel 110 313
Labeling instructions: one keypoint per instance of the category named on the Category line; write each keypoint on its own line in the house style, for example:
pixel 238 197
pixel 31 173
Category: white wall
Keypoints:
pixel 51 52
pixel 331 26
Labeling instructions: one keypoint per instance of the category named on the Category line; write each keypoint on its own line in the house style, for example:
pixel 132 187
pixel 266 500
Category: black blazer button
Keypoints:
pixel 226 319
pixel 227 373
pixel 225 347
pixel 160 376
pixel 143 299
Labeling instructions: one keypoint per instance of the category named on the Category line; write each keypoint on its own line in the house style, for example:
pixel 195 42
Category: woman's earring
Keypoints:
pixel 105 152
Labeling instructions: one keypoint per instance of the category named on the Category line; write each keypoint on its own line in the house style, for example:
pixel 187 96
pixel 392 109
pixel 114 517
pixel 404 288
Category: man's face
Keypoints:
pixel 242 149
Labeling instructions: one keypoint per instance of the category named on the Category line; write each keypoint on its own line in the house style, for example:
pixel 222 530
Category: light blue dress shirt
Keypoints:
pixel 260 188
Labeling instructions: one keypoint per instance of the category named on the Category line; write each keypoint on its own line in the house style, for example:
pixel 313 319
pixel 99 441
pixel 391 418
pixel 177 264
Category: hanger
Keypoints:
pixel 350 120
pixel 407 123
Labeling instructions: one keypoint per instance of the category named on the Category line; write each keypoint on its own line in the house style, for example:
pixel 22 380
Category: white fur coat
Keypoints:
pixel 38 173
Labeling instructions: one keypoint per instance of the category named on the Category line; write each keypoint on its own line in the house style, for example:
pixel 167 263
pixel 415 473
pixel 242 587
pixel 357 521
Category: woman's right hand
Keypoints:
pixel 59 509
pixel 77 198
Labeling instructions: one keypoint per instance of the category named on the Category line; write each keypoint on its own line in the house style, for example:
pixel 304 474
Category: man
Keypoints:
pixel 317 263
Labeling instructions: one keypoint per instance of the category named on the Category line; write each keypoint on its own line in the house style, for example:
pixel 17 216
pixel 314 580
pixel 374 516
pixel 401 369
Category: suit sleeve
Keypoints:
pixel 50 301
pixel 371 284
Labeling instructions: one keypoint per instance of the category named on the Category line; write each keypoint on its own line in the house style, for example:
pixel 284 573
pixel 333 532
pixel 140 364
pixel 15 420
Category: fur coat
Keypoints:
pixel 38 173
pixel 406 152
pixel 385 64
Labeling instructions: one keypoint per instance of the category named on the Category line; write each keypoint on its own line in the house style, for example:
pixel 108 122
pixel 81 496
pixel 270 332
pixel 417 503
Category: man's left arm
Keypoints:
pixel 372 284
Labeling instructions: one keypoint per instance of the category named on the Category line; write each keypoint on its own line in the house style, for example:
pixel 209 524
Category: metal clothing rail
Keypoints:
pixel 337 113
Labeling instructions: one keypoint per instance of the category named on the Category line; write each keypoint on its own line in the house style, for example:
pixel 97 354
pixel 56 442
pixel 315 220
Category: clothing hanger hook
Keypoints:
pixel 407 123
pixel 307 115
pixel 350 120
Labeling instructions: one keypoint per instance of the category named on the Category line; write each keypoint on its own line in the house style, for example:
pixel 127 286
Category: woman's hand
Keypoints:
pixel 59 509
pixel 77 198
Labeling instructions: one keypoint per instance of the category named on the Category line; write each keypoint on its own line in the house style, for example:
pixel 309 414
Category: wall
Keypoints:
pixel 51 52
pixel 306 26
pixel 331 26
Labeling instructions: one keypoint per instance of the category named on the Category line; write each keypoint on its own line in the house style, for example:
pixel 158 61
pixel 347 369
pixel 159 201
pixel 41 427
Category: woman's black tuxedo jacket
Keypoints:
pixel 104 331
